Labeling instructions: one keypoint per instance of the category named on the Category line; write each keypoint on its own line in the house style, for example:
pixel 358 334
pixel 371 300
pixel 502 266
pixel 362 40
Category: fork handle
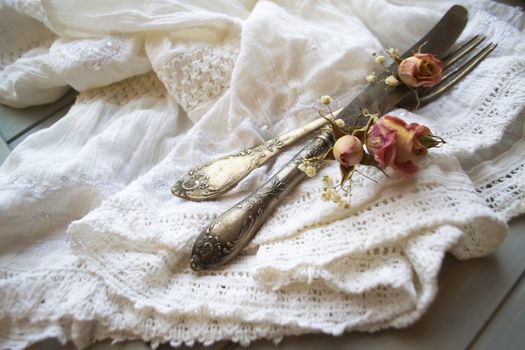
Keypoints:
pixel 210 180
pixel 227 234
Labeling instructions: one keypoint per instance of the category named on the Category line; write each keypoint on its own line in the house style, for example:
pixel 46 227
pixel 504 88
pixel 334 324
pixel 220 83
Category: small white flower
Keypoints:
pixel 310 171
pixel 336 197
pixel 391 81
pixel 343 204
pixel 327 181
pixel 302 166
pixel 393 52
pixel 380 59
pixel 326 100
pixel 326 195
pixel 370 79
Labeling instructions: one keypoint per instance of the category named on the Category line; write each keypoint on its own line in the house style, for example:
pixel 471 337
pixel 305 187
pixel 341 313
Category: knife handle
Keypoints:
pixel 231 231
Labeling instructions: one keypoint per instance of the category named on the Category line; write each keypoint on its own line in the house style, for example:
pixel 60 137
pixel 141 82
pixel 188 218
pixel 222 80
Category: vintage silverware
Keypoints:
pixel 211 179
pixel 226 235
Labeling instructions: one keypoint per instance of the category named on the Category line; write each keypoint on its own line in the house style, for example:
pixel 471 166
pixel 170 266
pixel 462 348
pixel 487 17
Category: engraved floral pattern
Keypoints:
pixel 212 248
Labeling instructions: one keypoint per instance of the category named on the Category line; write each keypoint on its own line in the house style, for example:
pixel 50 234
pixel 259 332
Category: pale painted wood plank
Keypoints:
pixel 105 345
pixel 470 292
pixel 15 122
pixel 4 150
pixel 506 329
pixel 40 126
pixel 52 344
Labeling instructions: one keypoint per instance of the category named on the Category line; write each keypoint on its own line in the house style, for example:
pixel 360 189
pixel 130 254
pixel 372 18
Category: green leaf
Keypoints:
pixel 368 160
pixel 359 133
pixel 329 155
pixel 346 173
pixel 336 130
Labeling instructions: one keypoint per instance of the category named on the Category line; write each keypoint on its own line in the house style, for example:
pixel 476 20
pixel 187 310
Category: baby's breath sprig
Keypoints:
pixel 309 166
pixel 392 79
pixel 326 100
pixel 371 78
pixel 394 55
pixel 380 59
pixel 332 193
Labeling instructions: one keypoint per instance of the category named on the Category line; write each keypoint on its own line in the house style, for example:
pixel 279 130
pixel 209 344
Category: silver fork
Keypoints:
pixel 226 235
pixel 210 180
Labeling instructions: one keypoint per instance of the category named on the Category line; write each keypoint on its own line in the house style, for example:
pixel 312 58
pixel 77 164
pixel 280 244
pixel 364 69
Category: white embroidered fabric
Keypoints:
pixel 93 244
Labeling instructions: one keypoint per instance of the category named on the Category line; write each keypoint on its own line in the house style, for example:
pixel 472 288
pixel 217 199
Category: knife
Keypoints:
pixel 230 232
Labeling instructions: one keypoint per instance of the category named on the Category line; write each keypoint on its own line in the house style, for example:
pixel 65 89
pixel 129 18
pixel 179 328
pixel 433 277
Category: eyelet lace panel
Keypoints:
pixel 501 184
pixel 199 74
pixel 125 91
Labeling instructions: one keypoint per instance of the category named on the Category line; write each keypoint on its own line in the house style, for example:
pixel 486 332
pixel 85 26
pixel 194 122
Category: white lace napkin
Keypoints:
pixel 95 246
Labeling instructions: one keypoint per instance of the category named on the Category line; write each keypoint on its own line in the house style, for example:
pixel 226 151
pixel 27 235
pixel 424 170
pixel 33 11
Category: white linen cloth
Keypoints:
pixel 93 244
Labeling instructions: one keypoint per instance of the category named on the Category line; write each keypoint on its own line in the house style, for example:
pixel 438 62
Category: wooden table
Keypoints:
pixel 480 304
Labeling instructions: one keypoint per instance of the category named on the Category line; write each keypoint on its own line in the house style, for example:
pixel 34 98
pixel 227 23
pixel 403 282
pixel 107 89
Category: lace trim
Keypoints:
pixel 502 90
pixel 200 75
pixel 499 190
pixel 126 90
pixel 504 189
pixel 146 324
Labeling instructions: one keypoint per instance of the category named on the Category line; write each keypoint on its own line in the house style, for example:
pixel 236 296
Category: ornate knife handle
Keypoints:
pixel 227 234
pixel 210 180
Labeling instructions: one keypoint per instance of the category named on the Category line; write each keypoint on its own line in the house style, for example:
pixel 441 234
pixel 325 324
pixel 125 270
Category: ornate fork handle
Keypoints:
pixel 210 180
pixel 227 234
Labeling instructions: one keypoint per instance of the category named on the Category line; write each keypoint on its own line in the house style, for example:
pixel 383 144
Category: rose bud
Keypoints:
pixel 422 69
pixel 394 143
pixel 348 150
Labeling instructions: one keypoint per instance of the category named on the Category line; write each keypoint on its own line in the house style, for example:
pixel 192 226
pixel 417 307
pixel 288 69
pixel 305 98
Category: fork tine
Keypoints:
pixel 457 74
pixel 460 52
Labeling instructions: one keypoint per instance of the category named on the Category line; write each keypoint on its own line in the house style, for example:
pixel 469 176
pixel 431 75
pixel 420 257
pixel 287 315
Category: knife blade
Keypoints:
pixel 230 232
pixel 437 41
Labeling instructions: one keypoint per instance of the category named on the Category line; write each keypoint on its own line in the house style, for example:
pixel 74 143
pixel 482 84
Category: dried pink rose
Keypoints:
pixel 348 150
pixel 392 142
pixel 422 69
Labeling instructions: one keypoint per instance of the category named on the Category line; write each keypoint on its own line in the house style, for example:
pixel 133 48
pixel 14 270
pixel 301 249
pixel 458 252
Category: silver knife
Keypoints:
pixel 230 232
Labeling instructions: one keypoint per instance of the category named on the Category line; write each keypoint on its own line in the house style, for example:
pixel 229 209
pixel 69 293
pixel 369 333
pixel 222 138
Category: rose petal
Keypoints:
pixel 380 139
pixel 406 168
pixel 407 71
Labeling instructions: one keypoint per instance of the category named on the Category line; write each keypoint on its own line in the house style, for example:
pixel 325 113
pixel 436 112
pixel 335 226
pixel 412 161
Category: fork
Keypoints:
pixel 212 179
pixel 227 234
